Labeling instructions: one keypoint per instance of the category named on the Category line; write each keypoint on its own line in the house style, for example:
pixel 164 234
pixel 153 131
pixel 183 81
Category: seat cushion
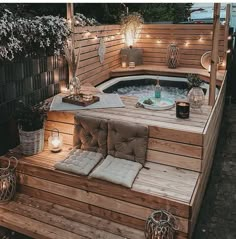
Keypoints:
pixel 91 134
pixel 79 161
pixel 116 170
pixel 127 140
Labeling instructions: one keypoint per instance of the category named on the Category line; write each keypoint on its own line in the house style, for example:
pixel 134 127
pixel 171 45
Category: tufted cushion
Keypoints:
pixel 118 171
pixel 127 140
pixel 91 134
pixel 79 161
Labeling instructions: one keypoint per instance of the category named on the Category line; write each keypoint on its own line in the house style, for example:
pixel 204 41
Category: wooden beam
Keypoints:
pixel 70 19
pixel 214 53
pixel 226 34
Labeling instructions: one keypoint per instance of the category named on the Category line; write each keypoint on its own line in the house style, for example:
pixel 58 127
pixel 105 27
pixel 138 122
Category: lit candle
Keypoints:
pixel 182 110
pixel 55 143
pixel 123 64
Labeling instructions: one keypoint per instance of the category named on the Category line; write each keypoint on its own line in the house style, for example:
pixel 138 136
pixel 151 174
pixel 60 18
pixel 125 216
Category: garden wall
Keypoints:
pixel 30 80
pixel 193 40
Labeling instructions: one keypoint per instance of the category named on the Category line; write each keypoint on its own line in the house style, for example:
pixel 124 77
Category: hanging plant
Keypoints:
pixel 130 26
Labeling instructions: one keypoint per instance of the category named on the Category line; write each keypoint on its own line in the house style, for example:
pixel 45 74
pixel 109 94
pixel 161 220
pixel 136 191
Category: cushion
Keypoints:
pixel 91 134
pixel 127 140
pixel 118 171
pixel 79 161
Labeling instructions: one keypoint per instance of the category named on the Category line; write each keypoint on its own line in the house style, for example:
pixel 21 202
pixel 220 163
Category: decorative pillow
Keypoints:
pixel 118 171
pixel 79 161
pixel 127 140
pixel 91 134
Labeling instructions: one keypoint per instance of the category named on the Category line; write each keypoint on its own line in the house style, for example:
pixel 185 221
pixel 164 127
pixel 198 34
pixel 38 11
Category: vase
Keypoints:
pixel 31 142
pixel 196 97
pixel 172 56
pixel 75 85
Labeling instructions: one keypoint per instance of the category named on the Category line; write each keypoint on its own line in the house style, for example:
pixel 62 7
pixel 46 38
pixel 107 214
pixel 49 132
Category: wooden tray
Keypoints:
pixel 78 100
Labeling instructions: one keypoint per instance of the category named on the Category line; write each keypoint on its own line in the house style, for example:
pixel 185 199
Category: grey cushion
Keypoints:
pixel 118 171
pixel 79 161
pixel 127 140
pixel 91 134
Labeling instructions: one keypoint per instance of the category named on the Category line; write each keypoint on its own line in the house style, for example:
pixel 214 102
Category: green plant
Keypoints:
pixel 194 80
pixel 31 118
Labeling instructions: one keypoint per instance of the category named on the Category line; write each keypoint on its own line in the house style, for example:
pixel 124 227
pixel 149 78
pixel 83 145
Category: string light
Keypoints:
pixel 158 41
pixel 229 37
pixel 228 51
pixel 95 38
pixel 148 36
pixel 186 43
pixel 112 37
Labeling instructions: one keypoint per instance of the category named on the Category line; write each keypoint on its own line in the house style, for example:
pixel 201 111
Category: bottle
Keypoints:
pixel 158 89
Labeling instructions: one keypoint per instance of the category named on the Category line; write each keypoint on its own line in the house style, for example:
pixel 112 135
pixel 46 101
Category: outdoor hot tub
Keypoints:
pixel 144 86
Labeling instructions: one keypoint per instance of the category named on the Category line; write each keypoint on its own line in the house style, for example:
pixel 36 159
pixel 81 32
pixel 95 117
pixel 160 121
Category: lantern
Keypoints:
pixel 8 182
pixel 55 141
pixel 172 56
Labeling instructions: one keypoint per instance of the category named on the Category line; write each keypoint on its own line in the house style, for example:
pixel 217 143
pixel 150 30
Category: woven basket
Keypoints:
pixel 32 142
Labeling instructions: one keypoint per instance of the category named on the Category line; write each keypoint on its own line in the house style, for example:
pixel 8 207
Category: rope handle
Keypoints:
pixel 9 164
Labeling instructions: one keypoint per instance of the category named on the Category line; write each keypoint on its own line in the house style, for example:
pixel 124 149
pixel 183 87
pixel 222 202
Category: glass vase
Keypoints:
pixel 196 97
pixel 75 85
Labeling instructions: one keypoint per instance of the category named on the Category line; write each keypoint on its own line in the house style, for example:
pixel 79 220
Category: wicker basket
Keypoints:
pixel 32 142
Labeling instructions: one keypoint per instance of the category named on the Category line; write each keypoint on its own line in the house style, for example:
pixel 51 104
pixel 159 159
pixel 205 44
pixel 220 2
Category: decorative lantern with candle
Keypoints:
pixel 55 141
pixel 123 61
pixel 8 181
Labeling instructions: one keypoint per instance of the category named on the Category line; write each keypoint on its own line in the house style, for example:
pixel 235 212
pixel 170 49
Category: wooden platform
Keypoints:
pixel 180 154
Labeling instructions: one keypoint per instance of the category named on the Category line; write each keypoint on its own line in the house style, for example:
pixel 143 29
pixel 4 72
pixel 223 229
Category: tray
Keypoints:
pixel 158 103
pixel 78 100
pixel 206 60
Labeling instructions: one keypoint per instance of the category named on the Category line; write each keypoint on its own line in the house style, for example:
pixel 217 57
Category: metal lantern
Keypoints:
pixel 161 224
pixel 55 141
pixel 8 181
pixel 172 56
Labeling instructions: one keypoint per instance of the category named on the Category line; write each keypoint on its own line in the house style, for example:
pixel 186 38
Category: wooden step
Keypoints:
pixel 41 219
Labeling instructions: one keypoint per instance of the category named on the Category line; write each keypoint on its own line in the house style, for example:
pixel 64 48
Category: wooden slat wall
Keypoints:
pixel 210 137
pixel 87 39
pixel 154 39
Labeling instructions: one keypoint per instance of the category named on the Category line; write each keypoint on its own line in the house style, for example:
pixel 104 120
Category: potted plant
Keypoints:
pixel 30 121
pixel 196 95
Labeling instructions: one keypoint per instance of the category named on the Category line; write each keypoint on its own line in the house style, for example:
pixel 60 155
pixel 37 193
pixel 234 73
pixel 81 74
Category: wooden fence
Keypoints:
pixel 192 40
pixel 87 38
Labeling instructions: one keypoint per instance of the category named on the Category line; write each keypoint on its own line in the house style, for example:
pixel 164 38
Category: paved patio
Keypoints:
pixel 217 217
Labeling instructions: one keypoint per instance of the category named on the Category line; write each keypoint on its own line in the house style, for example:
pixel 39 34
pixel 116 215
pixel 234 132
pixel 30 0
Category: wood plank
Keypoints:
pixel 33 228
pixel 174 160
pixel 80 217
pixel 60 222
pixel 175 148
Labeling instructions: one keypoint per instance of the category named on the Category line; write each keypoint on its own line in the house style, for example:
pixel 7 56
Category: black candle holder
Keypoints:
pixel 182 109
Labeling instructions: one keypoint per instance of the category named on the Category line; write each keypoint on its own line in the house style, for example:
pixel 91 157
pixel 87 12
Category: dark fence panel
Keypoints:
pixel 29 80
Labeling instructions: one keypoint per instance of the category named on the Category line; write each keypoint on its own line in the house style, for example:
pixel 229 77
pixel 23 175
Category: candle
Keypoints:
pixel 182 110
pixel 123 65
pixel 55 143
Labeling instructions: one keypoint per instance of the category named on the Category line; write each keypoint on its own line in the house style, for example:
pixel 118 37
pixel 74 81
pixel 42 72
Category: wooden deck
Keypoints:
pixel 180 154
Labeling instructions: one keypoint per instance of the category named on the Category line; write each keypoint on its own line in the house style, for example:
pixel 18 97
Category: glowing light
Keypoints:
pixel 229 37
pixel 112 37
pixel 95 38
pixel 158 41
pixel 200 38
pixel 186 43
pixel 87 34
pixel 228 51
pixel 148 36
